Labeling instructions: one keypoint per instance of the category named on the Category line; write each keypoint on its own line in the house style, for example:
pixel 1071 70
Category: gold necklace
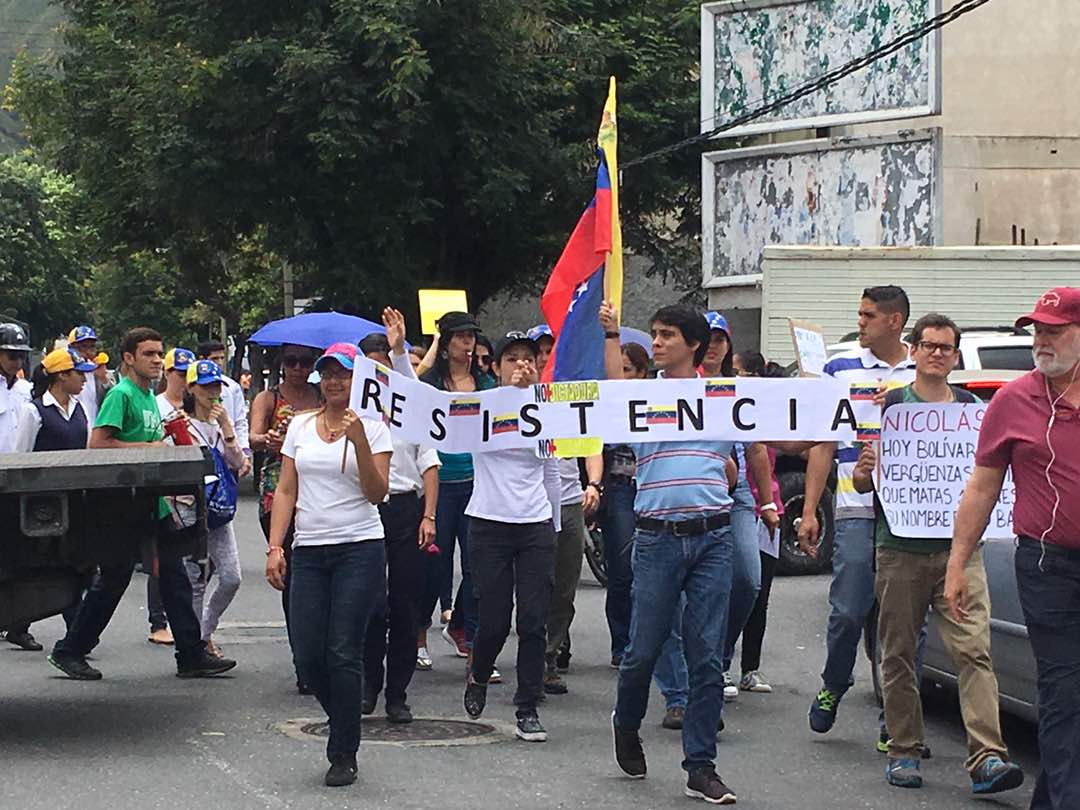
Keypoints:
pixel 333 433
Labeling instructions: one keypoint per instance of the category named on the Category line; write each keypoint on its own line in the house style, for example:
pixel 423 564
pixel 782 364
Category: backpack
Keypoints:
pixel 222 494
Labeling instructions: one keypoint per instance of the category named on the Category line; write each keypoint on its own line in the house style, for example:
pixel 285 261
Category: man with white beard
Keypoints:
pixel 1033 426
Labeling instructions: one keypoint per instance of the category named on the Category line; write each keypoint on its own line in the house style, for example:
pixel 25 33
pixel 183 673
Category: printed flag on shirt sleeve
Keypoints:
pixel 589 268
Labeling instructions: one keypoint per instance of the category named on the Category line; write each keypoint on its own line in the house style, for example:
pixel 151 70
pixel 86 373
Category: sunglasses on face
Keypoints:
pixel 296 361
pixel 484 358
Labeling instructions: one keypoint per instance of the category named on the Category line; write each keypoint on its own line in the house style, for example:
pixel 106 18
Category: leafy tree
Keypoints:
pixel 45 247
pixel 381 144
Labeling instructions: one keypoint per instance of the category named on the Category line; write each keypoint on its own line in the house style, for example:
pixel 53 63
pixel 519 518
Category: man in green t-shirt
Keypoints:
pixel 129 417
pixel 911 580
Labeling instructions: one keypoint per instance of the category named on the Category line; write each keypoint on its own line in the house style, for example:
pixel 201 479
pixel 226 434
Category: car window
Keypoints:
pixel 1007 357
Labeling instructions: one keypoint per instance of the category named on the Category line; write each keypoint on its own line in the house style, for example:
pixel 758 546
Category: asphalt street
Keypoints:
pixel 142 738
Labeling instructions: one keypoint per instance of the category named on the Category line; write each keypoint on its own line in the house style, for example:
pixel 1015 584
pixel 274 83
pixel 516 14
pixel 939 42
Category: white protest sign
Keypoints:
pixel 809 342
pixel 616 411
pixel 927 455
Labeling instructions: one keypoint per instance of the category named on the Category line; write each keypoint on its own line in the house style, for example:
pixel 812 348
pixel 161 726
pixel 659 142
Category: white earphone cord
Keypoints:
pixel 1053 458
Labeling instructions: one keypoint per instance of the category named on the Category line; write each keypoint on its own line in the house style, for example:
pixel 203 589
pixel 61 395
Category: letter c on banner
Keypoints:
pixel 736 414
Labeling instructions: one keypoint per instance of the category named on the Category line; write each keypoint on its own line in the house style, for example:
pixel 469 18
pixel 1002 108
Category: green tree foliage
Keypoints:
pixel 45 248
pixel 383 145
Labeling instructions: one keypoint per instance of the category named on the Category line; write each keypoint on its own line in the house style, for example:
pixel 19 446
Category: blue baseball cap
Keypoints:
pixel 81 333
pixel 179 359
pixel 539 331
pixel 717 321
pixel 204 372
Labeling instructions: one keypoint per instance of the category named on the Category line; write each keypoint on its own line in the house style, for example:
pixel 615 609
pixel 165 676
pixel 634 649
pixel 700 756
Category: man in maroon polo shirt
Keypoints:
pixel 1033 426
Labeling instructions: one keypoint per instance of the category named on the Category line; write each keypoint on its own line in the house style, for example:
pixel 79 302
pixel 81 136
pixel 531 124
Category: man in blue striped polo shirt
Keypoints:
pixel 882 359
pixel 682 545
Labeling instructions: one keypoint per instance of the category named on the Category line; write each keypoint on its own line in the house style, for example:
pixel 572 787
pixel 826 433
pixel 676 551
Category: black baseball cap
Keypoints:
pixel 457 322
pixel 376 342
pixel 512 339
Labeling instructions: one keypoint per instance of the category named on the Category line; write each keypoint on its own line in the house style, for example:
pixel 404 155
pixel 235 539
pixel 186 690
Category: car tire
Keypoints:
pixel 793 562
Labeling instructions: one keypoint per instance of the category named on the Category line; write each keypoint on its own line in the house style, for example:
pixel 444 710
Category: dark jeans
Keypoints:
pixel 511 559
pixel 617 529
pixel 1050 598
pixel 452 526
pixel 754 630
pixel 97 608
pixel 335 591
pixel 665 568
pixel 155 608
pixel 264 522
pixel 398 613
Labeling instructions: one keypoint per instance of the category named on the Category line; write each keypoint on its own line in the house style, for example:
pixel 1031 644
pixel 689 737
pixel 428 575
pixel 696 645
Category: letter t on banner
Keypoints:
pixel 589 268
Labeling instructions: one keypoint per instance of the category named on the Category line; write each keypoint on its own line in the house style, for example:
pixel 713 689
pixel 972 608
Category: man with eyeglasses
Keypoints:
pixel 232 397
pixel 129 417
pixel 911 580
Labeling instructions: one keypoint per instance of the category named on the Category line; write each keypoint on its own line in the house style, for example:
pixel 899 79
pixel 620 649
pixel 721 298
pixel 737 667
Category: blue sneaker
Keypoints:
pixel 823 710
pixel 995 775
pixel 903 773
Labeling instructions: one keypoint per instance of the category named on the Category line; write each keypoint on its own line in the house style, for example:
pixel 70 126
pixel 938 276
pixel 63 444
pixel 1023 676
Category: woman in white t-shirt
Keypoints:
pixel 513 516
pixel 209 426
pixel 335 470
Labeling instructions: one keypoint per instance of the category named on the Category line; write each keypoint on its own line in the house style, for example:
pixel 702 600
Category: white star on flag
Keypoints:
pixel 580 291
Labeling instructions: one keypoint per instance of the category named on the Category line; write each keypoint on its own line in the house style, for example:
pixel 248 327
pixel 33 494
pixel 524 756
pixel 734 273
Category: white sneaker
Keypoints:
pixel 496 676
pixel 423 659
pixel 754 682
pixel 731 691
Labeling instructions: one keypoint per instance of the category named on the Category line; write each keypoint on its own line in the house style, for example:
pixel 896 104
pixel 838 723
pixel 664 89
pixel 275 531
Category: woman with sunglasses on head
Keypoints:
pixel 210 426
pixel 514 513
pixel 455 369
pixel 335 471
pixel 271 413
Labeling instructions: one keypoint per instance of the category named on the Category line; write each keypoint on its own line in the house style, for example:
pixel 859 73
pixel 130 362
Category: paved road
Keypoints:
pixel 142 738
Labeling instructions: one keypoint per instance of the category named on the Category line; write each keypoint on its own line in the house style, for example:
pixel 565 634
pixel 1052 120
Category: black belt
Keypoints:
pixel 681 528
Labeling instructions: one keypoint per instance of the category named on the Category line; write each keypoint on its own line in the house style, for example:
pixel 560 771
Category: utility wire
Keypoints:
pixel 821 82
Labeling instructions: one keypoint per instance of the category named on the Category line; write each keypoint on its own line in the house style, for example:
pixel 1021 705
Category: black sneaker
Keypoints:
pixel 367 705
pixel 475 698
pixel 74 666
pixel 553 684
pixel 342 770
pixel 399 713
pixel 616 661
pixel 24 641
pixel 704 783
pixel 530 729
pixel 673 718
pixel 303 689
pixel 562 661
pixel 204 666
pixel 629 755
pixel 823 710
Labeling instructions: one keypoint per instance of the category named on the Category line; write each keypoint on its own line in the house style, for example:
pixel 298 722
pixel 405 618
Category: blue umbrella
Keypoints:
pixel 628 334
pixel 316 329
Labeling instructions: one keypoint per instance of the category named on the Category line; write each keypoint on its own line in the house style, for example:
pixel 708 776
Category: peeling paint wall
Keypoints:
pixel 766 48
pixel 821 193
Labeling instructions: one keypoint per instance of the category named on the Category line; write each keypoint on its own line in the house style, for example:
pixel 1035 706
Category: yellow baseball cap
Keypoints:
pixel 60 360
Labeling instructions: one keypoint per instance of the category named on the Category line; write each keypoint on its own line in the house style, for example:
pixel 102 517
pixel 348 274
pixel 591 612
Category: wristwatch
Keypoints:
pixel 767 507
pixel 271 548
pixel 597 485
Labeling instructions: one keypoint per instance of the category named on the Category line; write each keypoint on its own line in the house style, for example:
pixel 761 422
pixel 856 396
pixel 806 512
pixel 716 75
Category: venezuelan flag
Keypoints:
pixel 868 433
pixel 589 269
pixel 660 415
pixel 381 375
pixel 504 423
pixel 464 407
pixel 720 388
pixel 863 392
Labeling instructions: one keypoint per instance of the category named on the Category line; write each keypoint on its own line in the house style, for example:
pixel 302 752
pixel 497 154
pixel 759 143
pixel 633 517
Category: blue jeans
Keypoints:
pixel 335 590
pixel 746 581
pixel 851 598
pixel 617 529
pixel 670 673
pixel 665 568
pixel 1050 598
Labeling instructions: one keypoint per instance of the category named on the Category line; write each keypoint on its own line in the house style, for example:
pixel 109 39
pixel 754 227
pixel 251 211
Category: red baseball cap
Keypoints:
pixel 1058 307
